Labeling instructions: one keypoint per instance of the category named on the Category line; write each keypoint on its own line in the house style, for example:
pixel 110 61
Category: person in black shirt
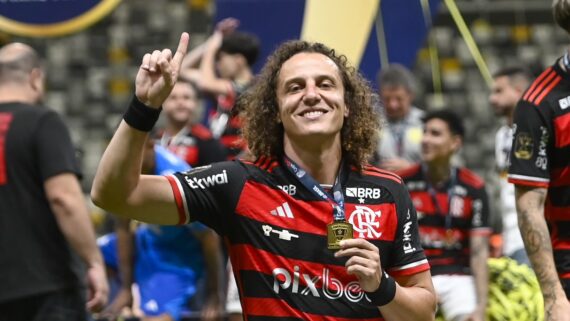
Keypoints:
pixel 309 122
pixel 540 170
pixel 44 225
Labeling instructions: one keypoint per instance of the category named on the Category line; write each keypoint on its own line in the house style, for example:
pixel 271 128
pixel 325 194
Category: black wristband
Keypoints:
pixel 140 116
pixel 385 292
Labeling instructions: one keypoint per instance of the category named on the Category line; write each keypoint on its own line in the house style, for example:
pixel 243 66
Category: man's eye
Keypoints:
pixel 294 88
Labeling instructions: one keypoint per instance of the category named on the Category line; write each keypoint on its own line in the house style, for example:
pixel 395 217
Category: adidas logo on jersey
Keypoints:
pixel 284 211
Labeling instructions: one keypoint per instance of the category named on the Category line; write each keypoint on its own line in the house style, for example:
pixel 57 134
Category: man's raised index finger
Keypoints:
pixel 182 48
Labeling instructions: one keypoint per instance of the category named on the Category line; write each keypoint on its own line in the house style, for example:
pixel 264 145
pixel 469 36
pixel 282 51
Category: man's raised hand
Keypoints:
pixel 159 72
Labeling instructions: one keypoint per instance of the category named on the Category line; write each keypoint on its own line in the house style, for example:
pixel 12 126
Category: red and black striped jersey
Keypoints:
pixel 276 231
pixel 195 145
pixel 446 228
pixel 541 155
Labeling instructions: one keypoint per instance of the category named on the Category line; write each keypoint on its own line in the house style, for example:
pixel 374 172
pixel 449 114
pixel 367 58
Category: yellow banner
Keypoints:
pixel 344 25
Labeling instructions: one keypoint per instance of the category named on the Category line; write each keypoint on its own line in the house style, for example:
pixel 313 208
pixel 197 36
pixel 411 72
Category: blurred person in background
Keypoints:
pixel 45 230
pixel 400 138
pixel 222 67
pixel 540 170
pixel 194 143
pixel 508 86
pixel 177 269
pixel 453 215
pixel 183 134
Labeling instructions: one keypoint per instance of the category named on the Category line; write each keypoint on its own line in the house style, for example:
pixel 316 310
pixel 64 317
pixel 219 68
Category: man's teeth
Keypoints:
pixel 313 114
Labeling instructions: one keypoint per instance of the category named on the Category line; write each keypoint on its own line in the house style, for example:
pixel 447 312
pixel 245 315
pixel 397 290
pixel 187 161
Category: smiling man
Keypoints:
pixel 287 216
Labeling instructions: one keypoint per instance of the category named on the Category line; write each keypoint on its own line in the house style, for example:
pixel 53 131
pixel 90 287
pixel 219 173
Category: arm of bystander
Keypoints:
pixel 68 204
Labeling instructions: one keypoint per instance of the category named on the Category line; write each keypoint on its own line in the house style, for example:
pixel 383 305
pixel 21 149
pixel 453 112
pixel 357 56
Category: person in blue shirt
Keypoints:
pixel 173 266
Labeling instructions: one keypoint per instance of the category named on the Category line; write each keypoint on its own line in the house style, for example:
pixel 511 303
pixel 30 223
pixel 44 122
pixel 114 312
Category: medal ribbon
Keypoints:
pixel 336 200
pixel 450 191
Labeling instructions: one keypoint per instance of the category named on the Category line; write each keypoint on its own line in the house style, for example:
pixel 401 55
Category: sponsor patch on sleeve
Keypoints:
pixel 524 146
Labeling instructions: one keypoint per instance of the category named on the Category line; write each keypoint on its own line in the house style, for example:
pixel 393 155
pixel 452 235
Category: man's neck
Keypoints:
pixel 510 120
pixel 244 77
pixel 438 172
pixel 173 128
pixel 16 94
pixel 321 161
pixel 510 116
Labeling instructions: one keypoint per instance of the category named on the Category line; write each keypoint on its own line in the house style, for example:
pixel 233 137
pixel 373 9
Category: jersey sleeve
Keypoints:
pixel 209 194
pixel 480 220
pixel 529 163
pixel 407 254
pixel 54 148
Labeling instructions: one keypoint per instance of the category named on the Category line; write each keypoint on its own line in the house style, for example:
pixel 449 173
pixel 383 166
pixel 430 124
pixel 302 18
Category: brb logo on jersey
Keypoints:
pixel 363 192
pixel 306 284
pixel 366 222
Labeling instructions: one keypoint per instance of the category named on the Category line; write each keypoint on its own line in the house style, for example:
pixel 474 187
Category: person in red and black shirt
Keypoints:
pixel 453 212
pixel 225 72
pixel 540 170
pixel 311 141
pixel 183 135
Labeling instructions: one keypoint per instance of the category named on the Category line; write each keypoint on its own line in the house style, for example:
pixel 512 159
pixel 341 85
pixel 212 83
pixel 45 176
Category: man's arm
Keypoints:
pixel 125 257
pixel 213 260
pixel 68 204
pixel 190 69
pixel 534 231
pixel 192 58
pixel 480 270
pixel 415 299
pixel 209 81
pixel 118 185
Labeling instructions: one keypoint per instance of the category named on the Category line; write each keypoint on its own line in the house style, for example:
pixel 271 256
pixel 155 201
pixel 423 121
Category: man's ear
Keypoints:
pixel 457 143
pixel 346 111
pixel 37 79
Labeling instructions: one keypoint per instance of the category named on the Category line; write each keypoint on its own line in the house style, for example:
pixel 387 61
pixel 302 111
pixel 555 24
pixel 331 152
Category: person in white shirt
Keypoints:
pixel 508 87
pixel 399 145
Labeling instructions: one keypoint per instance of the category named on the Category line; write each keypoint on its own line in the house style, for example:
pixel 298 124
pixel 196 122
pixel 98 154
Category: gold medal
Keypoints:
pixel 338 231
pixel 449 237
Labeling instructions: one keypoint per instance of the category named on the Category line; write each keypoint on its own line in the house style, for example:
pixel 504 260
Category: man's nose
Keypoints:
pixel 312 95
pixel 392 103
